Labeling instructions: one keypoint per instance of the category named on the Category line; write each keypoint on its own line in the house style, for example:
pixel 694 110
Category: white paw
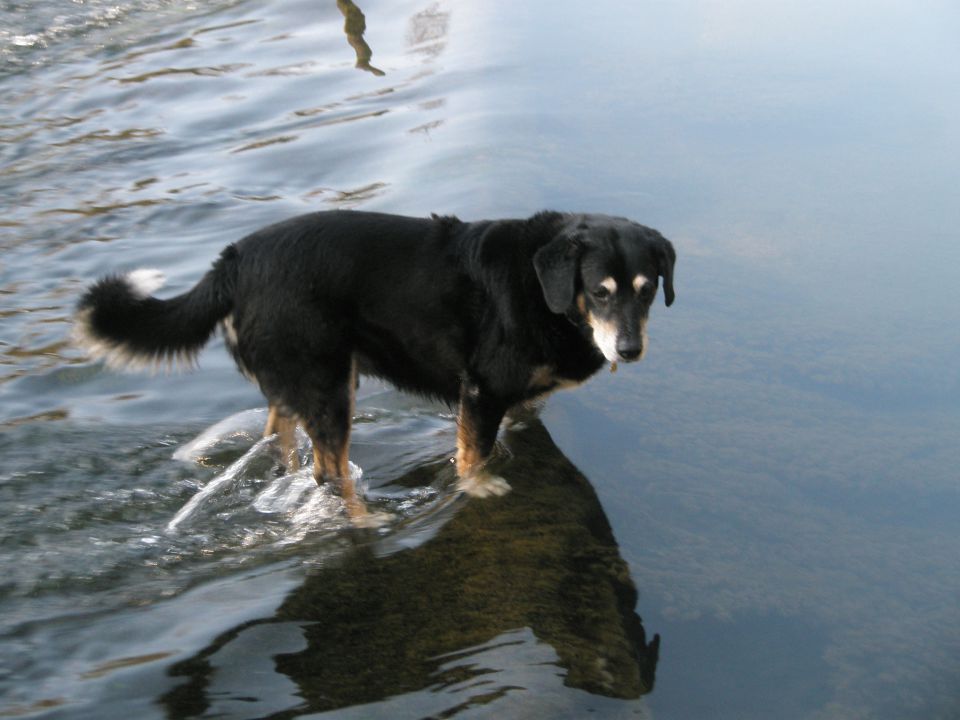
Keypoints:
pixel 371 520
pixel 482 485
pixel 361 516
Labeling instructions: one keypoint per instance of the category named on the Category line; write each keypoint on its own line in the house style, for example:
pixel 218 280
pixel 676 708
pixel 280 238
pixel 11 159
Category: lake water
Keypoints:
pixel 773 493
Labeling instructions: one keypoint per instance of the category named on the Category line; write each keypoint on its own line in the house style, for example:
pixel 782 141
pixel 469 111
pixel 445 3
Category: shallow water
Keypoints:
pixel 777 479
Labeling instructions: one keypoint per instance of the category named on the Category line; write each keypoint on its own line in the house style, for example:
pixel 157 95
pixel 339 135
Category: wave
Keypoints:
pixel 253 499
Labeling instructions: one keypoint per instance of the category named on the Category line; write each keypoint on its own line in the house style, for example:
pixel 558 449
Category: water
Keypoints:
pixel 777 479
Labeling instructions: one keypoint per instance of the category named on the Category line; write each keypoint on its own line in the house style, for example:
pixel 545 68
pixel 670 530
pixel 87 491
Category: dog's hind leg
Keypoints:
pixel 312 378
pixel 285 428
pixel 327 418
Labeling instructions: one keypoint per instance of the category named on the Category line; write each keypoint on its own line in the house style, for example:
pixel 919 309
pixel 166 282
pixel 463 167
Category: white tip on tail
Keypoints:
pixel 116 352
pixel 145 281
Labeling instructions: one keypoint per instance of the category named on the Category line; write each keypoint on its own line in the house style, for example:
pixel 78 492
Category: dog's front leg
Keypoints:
pixel 477 424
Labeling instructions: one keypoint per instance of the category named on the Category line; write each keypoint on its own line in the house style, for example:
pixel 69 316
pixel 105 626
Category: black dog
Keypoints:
pixel 489 315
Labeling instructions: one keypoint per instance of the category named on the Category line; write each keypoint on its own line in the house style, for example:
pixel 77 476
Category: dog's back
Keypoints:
pixel 393 290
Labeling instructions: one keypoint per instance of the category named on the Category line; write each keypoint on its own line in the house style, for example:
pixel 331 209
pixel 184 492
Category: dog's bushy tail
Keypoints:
pixel 117 320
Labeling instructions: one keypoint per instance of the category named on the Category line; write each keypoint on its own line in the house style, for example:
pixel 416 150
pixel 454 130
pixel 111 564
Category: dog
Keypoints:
pixel 487 316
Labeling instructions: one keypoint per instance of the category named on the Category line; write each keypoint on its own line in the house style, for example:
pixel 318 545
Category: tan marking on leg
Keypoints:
pixel 333 465
pixel 469 459
pixel 285 428
pixel 474 480
pixel 330 465
pixel 287 435
pixel 270 428
pixel 343 458
pixel 325 463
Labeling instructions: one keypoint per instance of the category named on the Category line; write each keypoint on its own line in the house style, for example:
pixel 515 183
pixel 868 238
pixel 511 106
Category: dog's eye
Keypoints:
pixel 601 293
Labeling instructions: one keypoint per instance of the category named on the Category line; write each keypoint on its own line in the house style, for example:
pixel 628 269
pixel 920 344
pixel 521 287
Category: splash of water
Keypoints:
pixel 250 495
pixel 243 426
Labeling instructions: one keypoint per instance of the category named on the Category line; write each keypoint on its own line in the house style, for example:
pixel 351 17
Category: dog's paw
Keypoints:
pixel 372 520
pixel 482 485
pixel 362 517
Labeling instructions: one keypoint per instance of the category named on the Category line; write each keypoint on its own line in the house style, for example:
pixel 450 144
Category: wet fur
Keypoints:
pixel 485 315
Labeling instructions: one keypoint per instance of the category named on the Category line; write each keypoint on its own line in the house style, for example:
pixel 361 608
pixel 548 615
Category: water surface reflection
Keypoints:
pixel 355 24
pixel 495 581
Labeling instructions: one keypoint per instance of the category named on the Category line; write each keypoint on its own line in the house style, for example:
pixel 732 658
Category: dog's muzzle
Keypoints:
pixel 629 350
pixel 631 342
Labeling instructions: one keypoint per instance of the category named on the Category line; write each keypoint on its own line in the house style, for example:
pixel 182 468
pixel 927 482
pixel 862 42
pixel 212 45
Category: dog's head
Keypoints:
pixel 607 270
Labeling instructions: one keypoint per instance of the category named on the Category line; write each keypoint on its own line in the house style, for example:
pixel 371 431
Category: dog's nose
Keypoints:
pixel 628 352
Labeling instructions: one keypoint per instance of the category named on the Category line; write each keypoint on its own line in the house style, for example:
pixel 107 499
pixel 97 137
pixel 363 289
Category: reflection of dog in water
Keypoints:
pixel 382 620
pixel 490 315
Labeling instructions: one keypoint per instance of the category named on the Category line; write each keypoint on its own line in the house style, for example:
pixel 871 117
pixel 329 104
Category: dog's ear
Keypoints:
pixel 556 266
pixel 667 258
